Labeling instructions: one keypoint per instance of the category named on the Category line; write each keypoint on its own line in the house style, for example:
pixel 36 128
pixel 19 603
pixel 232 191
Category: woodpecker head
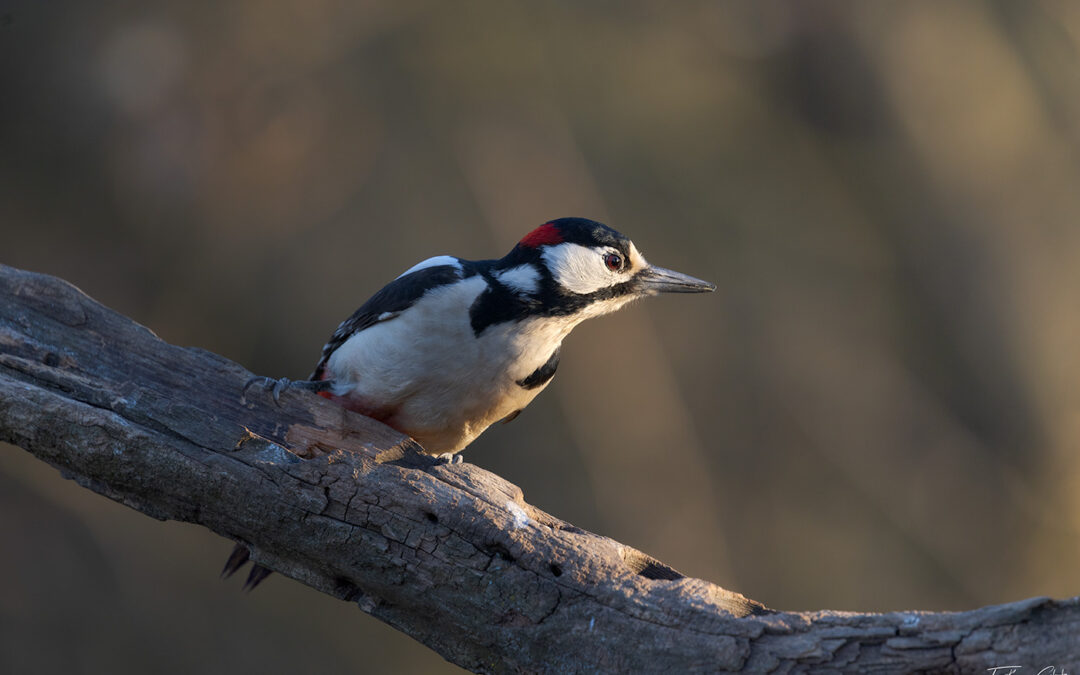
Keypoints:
pixel 588 269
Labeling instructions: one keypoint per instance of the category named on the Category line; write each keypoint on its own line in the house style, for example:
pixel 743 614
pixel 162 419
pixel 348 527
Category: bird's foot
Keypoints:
pixel 277 386
pixel 449 458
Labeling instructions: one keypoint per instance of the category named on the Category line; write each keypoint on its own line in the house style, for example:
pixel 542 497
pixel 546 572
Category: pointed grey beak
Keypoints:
pixel 655 280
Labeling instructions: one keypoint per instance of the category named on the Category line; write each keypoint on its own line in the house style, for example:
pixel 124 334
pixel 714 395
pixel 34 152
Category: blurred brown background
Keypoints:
pixel 878 409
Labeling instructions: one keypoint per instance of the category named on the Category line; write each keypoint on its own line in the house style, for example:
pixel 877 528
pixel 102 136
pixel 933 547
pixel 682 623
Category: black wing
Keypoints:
pixel 392 299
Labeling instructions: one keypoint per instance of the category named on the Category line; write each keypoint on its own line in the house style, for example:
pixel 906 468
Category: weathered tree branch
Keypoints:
pixel 451 555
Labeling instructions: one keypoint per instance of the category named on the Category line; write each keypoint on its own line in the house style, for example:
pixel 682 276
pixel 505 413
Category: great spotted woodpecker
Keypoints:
pixel 452 346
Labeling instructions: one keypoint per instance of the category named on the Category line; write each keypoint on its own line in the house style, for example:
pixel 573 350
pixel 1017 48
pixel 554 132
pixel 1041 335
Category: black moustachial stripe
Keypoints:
pixel 543 374
pixel 498 303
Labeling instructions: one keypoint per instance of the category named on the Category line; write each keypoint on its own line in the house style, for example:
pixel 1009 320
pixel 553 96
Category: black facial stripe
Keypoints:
pixel 564 303
pixel 498 304
pixel 543 374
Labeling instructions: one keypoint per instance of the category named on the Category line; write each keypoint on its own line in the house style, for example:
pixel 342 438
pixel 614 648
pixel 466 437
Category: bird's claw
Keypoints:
pixel 449 458
pixel 276 387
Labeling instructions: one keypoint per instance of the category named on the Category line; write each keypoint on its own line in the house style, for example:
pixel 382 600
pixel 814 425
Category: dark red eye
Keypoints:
pixel 613 261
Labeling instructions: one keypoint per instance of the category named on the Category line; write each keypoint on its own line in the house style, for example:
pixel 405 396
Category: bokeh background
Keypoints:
pixel 878 409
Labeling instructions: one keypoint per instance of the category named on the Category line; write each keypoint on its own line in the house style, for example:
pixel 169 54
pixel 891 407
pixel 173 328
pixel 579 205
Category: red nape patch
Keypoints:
pixel 543 235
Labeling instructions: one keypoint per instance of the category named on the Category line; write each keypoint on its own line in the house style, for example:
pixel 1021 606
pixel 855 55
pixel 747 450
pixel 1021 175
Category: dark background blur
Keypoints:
pixel 878 409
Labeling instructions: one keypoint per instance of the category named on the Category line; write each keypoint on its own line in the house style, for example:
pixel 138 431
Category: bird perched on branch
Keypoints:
pixel 452 346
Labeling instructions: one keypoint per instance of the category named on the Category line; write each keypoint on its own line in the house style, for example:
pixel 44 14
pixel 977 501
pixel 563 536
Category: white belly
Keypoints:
pixel 426 374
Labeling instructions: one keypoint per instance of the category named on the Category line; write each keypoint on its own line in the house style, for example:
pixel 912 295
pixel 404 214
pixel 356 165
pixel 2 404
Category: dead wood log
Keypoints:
pixel 451 555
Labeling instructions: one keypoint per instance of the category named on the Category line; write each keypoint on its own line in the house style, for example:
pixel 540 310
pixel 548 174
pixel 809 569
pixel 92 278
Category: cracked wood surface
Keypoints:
pixel 450 554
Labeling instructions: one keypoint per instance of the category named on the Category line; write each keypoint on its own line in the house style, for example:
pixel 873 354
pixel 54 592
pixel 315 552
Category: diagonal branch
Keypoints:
pixel 451 555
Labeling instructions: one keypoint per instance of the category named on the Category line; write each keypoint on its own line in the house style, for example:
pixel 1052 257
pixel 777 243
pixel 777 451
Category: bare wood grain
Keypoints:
pixel 451 555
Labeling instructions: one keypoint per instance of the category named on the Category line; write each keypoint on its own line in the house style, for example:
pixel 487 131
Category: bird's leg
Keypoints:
pixel 280 385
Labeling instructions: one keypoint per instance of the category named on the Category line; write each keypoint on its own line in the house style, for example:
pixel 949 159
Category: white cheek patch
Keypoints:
pixel 437 261
pixel 524 279
pixel 579 269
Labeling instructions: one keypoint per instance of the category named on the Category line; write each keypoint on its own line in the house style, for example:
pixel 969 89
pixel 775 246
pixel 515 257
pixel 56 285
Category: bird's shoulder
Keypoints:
pixel 395 297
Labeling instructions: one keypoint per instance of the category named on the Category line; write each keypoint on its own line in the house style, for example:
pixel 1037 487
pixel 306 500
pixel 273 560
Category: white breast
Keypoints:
pixel 429 376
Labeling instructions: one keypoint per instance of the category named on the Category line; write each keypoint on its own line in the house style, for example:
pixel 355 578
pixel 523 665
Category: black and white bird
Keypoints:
pixel 452 346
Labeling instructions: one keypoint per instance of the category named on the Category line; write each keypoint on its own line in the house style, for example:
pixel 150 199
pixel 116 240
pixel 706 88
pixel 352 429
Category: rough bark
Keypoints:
pixel 450 554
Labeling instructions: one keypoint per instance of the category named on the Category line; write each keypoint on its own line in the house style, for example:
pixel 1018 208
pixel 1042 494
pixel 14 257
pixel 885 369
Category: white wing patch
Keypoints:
pixel 437 261
pixel 579 269
pixel 523 278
